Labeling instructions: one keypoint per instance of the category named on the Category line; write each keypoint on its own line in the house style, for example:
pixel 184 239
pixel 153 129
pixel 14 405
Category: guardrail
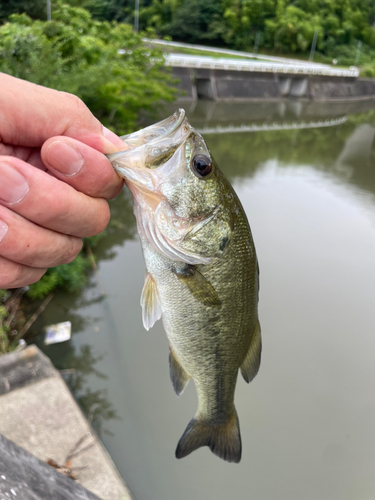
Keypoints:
pixel 187 61
pixel 272 126
pixel 237 53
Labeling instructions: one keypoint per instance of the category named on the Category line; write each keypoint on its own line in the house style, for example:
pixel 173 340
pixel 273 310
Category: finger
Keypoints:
pixel 43 113
pixel 49 202
pixel 81 166
pixel 25 243
pixel 13 275
pixel 30 155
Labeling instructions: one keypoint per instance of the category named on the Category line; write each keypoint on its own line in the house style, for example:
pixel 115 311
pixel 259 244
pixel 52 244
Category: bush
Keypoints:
pixel 77 54
pixel 368 72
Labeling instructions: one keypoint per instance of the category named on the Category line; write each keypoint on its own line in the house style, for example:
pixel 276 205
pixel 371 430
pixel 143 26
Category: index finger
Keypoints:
pixel 42 113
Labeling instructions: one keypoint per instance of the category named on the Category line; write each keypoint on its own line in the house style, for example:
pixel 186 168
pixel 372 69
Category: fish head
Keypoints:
pixel 182 202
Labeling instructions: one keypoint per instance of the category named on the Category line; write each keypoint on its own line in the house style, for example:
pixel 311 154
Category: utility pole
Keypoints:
pixel 256 45
pixel 48 10
pixel 358 53
pixel 313 45
pixel 136 17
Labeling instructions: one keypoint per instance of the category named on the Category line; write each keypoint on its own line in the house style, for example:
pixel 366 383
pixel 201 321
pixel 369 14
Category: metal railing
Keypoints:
pixel 273 126
pixel 188 61
pixel 236 53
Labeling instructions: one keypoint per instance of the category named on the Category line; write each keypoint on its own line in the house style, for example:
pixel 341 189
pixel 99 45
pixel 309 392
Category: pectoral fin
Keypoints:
pixel 151 308
pixel 250 366
pixel 199 286
pixel 179 377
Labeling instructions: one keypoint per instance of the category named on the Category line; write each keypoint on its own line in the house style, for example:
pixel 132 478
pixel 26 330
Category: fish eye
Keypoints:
pixel 202 165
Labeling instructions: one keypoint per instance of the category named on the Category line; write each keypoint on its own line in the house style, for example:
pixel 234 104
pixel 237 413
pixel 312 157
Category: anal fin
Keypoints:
pixel 151 308
pixel 179 377
pixel 250 366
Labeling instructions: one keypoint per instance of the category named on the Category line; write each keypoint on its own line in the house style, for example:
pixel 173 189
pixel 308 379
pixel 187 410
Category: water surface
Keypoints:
pixel 305 174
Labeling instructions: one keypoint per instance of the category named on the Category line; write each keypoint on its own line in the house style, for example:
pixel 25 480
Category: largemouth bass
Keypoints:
pixel 202 274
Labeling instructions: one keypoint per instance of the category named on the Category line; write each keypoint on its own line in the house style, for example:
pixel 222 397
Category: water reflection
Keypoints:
pixel 308 420
pixel 79 361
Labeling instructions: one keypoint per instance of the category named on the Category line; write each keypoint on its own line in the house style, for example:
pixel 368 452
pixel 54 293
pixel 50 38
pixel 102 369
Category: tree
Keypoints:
pixel 36 9
pixel 114 73
pixel 196 21
pixel 77 54
pixel 244 19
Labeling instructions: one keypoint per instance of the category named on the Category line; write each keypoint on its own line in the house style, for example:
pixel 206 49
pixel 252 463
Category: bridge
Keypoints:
pixel 243 76
pixel 227 64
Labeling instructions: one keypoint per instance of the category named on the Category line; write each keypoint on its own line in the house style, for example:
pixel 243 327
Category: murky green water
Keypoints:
pixel 305 174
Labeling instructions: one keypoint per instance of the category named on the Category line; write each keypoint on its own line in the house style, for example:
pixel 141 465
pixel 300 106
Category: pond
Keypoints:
pixel 305 174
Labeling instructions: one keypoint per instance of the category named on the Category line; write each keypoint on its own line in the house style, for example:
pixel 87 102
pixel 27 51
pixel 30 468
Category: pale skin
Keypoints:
pixel 54 179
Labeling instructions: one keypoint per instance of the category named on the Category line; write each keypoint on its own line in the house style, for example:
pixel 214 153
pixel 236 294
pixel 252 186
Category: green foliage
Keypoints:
pixel 191 20
pixel 71 277
pixel 4 342
pixel 80 55
pixel 244 18
pixel 368 72
pixel 283 25
pixel 339 22
pixel 36 9
pixel 197 21
pixel 293 29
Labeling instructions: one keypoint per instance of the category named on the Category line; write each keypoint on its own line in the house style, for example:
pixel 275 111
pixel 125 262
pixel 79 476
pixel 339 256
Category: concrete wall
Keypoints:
pixel 330 90
pixel 213 84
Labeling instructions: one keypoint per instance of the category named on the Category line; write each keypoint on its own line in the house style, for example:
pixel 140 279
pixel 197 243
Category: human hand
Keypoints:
pixel 54 179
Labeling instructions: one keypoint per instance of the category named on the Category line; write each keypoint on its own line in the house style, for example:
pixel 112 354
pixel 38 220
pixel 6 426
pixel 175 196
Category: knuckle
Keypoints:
pixel 11 275
pixel 35 275
pixel 116 191
pixel 75 109
pixel 103 215
pixel 15 275
pixel 75 102
pixel 73 248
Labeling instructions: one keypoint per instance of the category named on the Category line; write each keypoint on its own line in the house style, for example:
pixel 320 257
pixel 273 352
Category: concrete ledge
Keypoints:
pixel 24 477
pixel 18 369
pixel 39 414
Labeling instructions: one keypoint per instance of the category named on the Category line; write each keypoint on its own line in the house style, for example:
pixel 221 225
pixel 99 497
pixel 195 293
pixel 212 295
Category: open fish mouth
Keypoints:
pixel 151 148
pixel 152 134
pixel 157 153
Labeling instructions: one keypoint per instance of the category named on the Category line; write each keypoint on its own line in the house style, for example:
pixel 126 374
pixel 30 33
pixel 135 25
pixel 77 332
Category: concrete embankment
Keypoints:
pixel 39 414
pixel 219 84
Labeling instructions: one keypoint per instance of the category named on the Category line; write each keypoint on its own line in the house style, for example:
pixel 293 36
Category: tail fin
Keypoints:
pixel 224 440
